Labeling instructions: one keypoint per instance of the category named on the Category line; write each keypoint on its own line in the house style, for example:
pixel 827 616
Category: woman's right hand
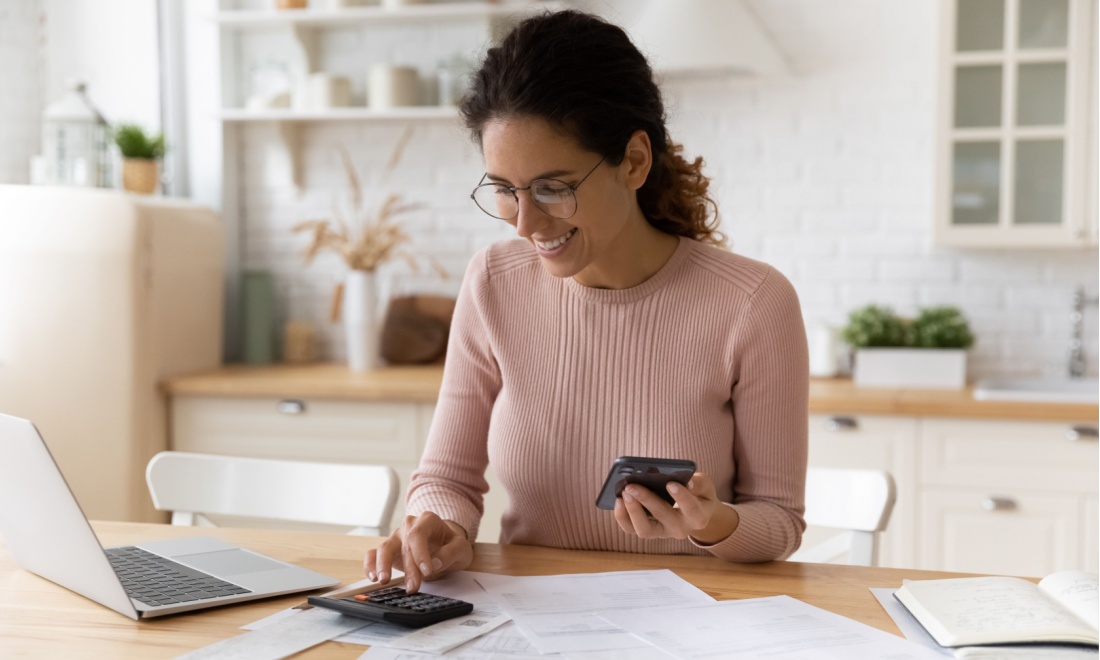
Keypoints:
pixel 425 548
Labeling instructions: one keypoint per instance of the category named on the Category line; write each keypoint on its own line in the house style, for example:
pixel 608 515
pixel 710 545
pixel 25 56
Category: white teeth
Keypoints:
pixel 557 242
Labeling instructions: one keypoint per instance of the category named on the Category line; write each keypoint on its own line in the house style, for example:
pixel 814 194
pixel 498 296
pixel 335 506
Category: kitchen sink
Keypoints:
pixel 1077 390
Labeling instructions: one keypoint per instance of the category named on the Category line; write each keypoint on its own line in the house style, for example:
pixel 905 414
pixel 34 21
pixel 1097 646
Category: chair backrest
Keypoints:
pixel 857 501
pixel 346 494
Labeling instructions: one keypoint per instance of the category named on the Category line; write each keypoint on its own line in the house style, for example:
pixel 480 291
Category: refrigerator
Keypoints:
pixel 104 294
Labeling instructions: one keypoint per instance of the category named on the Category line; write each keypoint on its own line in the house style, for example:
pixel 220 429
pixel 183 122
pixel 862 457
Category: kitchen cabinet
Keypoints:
pixel 984 486
pixel 874 442
pixel 319 429
pixel 1006 497
pixel 974 495
pixel 1016 124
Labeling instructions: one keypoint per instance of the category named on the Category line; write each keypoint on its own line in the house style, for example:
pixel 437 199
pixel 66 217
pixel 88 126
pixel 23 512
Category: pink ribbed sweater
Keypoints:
pixel 550 381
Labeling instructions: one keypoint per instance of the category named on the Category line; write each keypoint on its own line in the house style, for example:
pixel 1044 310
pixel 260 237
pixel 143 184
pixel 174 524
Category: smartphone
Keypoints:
pixel 653 473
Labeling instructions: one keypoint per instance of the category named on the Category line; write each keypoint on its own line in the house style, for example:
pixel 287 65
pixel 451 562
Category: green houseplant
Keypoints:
pixel 926 351
pixel 141 152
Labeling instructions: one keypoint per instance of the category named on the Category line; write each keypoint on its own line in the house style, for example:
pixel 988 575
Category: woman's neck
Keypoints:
pixel 637 255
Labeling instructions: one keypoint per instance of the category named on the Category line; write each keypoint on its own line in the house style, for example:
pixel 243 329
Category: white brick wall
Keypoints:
pixel 826 174
pixel 20 84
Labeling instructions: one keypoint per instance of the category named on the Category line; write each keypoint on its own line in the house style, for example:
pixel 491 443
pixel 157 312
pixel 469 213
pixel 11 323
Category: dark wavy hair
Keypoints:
pixel 585 77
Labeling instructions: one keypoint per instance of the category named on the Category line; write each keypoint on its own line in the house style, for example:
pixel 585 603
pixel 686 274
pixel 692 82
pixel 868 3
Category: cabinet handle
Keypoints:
pixel 1083 432
pixel 291 406
pixel 999 504
pixel 841 424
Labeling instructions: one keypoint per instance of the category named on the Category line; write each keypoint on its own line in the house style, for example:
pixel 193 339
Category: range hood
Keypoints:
pixel 703 37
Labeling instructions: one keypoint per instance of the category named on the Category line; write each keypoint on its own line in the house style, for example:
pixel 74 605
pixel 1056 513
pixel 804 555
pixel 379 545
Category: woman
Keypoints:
pixel 614 326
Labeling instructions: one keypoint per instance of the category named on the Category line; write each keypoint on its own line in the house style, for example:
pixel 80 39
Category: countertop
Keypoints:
pixel 420 384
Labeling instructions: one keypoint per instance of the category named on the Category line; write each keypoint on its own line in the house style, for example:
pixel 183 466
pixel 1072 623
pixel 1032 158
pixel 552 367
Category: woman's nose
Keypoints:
pixel 530 217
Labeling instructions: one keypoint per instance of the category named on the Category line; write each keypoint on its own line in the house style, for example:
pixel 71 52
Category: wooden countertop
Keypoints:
pixel 420 384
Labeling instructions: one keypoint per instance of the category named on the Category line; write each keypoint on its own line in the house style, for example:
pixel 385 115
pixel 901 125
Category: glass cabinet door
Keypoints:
pixel 1015 123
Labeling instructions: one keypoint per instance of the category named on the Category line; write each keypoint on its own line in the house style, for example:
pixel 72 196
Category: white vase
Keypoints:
pixel 362 314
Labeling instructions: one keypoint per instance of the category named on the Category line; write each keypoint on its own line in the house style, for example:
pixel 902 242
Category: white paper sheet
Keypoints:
pixel 780 627
pixel 282 637
pixel 558 612
pixel 508 643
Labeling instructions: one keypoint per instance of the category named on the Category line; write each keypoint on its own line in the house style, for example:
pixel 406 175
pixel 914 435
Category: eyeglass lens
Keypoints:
pixel 554 197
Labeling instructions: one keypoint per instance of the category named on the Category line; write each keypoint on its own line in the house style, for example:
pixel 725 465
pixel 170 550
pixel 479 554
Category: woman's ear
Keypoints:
pixel 638 159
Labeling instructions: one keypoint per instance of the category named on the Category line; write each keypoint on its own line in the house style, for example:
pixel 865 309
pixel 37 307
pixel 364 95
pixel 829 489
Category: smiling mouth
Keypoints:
pixel 557 242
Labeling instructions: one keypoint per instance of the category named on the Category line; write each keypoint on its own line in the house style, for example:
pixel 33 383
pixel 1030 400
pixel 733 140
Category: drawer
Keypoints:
pixel 1006 532
pixel 366 432
pixel 1008 455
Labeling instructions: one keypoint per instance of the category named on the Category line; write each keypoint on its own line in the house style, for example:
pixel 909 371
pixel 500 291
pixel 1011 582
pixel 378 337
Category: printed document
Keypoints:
pixel 558 613
pixel 777 627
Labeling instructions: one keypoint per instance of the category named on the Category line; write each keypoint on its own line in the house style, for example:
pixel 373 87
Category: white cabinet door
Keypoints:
pixel 1004 532
pixel 1016 109
pixel 879 442
pixel 1005 497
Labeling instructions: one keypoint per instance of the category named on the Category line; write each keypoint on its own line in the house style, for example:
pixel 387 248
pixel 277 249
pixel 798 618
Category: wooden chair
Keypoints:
pixel 195 486
pixel 856 501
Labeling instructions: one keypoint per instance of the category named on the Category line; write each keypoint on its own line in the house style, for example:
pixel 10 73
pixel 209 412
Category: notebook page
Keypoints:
pixel 1078 591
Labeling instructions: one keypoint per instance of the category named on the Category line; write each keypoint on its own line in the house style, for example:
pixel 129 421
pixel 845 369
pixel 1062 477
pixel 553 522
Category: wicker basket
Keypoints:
pixel 140 175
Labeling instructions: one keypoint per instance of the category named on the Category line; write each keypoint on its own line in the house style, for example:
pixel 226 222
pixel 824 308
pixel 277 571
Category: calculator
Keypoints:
pixel 395 605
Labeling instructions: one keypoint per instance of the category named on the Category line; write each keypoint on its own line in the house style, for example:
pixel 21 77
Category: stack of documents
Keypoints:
pixel 636 615
pixel 658 615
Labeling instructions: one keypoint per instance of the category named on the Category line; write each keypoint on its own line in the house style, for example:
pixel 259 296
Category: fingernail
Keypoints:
pixel 424 568
pixel 628 497
pixel 674 488
pixel 383 576
pixel 437 563
pixel 370 574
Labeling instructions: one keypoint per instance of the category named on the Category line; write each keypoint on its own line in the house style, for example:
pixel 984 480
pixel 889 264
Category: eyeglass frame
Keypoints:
pixel 514 189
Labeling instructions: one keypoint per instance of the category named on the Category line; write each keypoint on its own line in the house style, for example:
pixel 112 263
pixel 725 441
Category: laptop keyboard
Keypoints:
pixel 154 580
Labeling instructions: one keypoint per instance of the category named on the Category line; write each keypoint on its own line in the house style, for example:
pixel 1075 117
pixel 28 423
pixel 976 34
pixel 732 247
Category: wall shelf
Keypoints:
pixel 376 15
pixel 411 113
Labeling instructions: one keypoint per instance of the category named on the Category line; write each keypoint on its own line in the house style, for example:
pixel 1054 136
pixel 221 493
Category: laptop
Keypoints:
pixel 46 532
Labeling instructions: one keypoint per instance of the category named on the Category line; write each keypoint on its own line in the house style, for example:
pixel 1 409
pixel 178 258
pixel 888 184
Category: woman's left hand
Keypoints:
pixel 698 513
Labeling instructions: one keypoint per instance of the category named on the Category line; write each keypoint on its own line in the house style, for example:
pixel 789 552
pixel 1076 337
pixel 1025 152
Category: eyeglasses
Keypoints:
pixel 556 198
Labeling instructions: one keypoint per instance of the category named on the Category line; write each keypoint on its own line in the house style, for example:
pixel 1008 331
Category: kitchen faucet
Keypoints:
pixel 1077 319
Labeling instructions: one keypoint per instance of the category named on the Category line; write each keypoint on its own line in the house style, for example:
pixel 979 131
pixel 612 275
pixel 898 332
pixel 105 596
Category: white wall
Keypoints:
pixel 20 87
pixel 826 174
pixel 46 43
pixel 111 45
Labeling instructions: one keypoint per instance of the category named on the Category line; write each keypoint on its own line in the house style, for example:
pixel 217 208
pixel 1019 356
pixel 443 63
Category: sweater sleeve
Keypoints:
pixel 770 408
pixel 450 480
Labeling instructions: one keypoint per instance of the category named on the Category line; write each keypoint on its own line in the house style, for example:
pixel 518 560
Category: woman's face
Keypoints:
pixel 519 150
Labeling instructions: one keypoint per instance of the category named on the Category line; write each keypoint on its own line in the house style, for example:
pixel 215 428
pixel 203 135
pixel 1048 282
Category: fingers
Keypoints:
pixel 380 562
pixel 432 548
pixel 694 511
pixel 640 502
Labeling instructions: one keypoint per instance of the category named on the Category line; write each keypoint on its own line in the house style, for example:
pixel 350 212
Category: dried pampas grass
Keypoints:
pixel 368 240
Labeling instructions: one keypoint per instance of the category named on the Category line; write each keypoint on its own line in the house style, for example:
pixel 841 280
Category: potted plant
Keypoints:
pixel 365 240
pixel 927 351
pixel 140 153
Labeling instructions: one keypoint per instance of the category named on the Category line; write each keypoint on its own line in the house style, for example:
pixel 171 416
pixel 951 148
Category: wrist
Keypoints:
pixel 723 523
pixel 459 530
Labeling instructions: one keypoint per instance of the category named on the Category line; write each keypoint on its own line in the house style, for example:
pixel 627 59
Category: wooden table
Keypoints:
pixel 39 618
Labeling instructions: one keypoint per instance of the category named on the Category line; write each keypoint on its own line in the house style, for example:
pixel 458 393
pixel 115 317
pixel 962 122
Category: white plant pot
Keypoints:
pixel 362 320
pixel 942 368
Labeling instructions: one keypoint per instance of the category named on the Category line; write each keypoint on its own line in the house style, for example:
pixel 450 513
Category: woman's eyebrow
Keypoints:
pixel 552 174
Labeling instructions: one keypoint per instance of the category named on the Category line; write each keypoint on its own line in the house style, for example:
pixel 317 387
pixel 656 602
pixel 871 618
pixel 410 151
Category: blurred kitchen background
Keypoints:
pixel 824 166
pixel 909 154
